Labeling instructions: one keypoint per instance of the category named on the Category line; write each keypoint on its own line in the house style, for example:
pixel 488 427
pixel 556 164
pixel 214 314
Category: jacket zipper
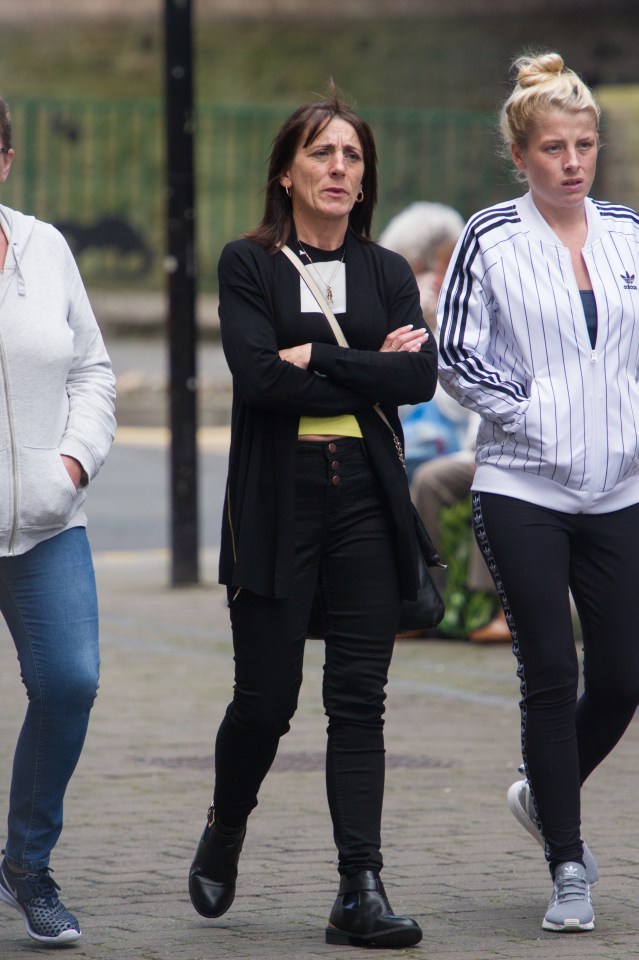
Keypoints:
pixel 12 438
pixel 5 280
pixel 594 458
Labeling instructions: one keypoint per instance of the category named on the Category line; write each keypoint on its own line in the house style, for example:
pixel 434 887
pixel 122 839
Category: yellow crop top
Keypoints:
pixel 344 426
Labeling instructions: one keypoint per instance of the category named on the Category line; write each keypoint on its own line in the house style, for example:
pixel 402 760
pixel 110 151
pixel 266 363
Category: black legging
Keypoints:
pixel 535 555
pixel 342 535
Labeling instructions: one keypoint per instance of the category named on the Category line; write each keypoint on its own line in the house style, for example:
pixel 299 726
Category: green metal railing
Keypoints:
pixel 96 167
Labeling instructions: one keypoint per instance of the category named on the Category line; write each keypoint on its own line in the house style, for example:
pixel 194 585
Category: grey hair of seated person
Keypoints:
pixel 420 231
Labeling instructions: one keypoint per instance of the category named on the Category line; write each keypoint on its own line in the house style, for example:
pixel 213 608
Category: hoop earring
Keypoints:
pixel 360 196
pixel 288 191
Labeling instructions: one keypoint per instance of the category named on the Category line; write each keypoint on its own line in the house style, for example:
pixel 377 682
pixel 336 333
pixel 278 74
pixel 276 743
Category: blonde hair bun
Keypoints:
pixel 533 70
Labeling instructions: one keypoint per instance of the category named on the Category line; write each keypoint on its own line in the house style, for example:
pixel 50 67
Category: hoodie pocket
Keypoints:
pixel 47 495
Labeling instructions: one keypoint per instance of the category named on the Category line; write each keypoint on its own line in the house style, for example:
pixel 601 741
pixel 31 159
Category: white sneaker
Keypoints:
pixel 570 908
pixel 522 807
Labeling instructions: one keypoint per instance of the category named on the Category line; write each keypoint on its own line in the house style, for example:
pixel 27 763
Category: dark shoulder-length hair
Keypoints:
pixel 302 128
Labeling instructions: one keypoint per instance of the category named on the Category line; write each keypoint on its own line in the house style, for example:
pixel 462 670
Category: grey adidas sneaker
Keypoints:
pixel 570 908
pixel 522 806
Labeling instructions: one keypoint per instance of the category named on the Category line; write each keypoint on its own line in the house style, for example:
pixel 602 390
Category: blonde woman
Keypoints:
pixel 539 335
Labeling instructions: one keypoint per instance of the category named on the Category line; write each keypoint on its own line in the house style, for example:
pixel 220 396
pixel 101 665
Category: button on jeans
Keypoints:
pixel 48 600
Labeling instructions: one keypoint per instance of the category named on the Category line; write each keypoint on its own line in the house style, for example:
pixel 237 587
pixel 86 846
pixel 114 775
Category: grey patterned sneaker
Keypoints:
pixel 570 908
pixel 35 896
pixel 522 807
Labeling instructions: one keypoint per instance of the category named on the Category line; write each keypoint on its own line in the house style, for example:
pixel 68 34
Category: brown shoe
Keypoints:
pixel 427 633
pixel 496 631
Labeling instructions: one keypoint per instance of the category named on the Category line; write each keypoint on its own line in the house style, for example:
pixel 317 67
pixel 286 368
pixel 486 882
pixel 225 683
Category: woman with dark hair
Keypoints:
pixel 317 500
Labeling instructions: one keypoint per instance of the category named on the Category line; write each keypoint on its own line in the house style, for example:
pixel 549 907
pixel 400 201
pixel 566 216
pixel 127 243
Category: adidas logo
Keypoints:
pixel 628 281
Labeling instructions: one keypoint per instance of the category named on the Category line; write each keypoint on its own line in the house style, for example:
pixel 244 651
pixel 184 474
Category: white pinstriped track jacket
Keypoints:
pixel 559 419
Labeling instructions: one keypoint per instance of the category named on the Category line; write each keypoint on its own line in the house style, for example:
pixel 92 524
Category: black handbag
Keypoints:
pixel 427 610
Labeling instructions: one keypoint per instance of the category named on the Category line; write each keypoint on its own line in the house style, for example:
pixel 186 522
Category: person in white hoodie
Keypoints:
pixel 539 333
pixel 57 395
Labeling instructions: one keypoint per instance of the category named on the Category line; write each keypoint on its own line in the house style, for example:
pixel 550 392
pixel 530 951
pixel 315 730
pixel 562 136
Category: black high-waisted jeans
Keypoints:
pixel 343 537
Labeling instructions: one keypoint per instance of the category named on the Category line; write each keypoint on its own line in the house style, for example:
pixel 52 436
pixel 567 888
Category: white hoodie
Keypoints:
pixel 57 389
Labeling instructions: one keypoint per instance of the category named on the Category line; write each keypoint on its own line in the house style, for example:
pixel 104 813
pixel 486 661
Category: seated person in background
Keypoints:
pixel 440 435
pixel 425 234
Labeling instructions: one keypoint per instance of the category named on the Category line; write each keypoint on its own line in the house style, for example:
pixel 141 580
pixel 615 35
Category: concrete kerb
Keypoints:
pixel 144 313
pixel 133 318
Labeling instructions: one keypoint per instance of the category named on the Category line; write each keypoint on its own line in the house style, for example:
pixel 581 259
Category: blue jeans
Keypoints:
pixel 48 600
pixel 344 539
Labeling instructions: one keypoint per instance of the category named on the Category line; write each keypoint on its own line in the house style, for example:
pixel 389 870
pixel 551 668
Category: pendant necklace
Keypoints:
pixel 327 284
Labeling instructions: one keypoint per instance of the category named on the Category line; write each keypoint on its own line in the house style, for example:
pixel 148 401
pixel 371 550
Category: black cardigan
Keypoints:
pixel 259 315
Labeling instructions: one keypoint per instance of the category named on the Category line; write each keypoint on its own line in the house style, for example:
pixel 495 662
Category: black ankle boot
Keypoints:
pixel 213 872
pixel 363 917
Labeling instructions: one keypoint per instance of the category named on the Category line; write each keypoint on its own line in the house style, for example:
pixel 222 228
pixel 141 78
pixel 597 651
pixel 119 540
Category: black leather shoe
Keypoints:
pixel 213 872
pixel 363 917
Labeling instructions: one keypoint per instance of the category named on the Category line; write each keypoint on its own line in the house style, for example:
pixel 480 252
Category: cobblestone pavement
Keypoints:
pixel 455 857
